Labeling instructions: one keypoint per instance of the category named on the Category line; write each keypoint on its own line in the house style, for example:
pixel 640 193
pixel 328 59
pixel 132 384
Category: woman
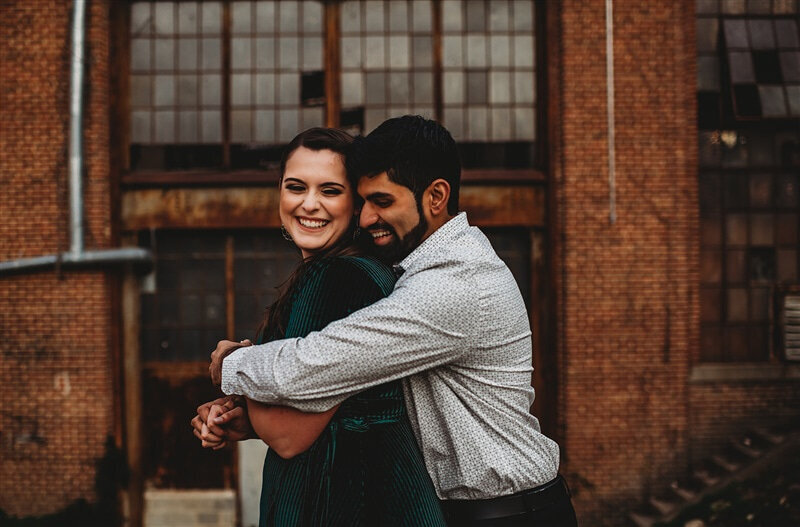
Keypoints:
pixel 358 463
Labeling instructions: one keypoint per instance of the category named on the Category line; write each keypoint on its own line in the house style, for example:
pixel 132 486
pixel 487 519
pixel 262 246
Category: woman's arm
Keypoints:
pixel 331 291
pixel 287 431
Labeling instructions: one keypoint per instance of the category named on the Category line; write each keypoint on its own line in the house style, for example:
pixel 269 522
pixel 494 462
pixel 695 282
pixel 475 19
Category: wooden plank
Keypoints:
pixel 133 396
pixel 243 207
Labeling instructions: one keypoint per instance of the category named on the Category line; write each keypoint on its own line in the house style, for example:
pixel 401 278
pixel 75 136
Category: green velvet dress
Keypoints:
pixel 365 469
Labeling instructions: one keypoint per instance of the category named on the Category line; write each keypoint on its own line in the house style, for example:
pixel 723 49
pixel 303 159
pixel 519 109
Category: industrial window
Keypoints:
pixel 220 86
pixel 749 144
pixel 748 64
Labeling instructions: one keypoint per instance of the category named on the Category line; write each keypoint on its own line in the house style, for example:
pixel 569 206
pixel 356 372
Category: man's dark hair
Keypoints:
pixel 413 151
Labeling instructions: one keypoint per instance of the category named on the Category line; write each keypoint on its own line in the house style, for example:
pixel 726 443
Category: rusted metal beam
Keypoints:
pixel 246 207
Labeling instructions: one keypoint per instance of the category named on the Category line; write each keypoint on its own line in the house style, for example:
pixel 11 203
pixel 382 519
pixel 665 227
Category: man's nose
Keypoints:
pixel 368 216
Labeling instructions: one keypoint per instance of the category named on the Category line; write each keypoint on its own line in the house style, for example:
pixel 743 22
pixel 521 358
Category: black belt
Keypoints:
pixel 529 500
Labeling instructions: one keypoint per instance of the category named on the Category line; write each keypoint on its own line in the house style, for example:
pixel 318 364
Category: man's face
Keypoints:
pixel 391 215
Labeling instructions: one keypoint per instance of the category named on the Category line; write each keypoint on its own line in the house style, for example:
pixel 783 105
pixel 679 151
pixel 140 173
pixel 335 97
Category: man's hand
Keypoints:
pixel 224 348
pixel 221 421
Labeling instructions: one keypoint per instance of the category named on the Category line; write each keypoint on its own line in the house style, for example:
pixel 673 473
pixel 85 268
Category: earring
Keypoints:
pixel 285 234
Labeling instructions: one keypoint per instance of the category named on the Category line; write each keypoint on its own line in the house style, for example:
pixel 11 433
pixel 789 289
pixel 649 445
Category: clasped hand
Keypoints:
pixel 223 420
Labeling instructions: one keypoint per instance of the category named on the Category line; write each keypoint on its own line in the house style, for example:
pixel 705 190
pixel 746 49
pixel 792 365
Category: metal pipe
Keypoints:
pixel 76 256
pixel 75 132
pixel 134 255
pixel 612 183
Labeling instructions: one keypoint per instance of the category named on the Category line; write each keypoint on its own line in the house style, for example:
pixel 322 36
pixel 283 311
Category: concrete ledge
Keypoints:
pixel 189 508
pixel 743 372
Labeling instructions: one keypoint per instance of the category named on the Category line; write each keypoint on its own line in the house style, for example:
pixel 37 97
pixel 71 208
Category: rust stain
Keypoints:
pixel 242 207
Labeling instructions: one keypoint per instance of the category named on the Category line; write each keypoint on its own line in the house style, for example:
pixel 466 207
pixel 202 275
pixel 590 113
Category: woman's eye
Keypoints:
pixel 331 191
pixel 295 188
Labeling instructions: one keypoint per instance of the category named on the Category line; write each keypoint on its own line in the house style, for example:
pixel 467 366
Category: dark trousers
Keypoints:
pixel 549 505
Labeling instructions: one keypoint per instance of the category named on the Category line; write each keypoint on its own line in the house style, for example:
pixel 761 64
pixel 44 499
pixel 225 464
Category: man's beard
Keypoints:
pixel 400 247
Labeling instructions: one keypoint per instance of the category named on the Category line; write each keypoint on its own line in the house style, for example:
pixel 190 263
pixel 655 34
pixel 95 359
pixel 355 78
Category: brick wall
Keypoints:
pixel 628 308
pixel 55 331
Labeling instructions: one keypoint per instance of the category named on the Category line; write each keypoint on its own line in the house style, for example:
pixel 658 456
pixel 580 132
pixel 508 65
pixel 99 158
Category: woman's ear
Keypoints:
pixel 438 196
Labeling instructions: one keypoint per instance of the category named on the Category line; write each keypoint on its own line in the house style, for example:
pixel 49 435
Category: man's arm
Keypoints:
pixel 412 330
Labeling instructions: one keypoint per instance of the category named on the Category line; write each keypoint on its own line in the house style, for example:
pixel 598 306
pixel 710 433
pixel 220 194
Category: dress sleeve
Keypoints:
pixel 333 289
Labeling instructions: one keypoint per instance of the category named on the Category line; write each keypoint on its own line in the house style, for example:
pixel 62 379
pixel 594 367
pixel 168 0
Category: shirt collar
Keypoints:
pixel 432 245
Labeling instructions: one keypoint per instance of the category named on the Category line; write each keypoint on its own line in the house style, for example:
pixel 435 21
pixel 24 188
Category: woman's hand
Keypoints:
pixel 222 421
pixel 223 349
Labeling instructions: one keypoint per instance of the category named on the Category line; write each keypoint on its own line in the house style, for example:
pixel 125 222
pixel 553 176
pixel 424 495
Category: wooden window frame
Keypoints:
pixel 225 176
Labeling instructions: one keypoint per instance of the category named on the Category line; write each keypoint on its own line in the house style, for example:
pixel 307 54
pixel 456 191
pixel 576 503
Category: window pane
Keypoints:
pixel 452 17
pixel 374 15
pixel 288 53
pixel 452 52
pixel 211 90
pixel 707 34
pixel 423 87
pixel 240 53
pixel 499 19
pixel 141 85
pixel 289 89
pixel 453 87
pixel 140 54
pixel 240 89
pixel 773 103
pixel 422 15
pixel 501 124
pixel 187 91
pixel 165 126
pixel 499 87
pixel 211 54
pixel 288 124
pixel 735 33
pixel 164 18
pixel 761 34
pixel 399 88
pixel 398 16
pixel 454 122
pixel 476 51
pixel 524 88
pixel 165 54
pixel 187 127
pixel 240 126
pixel 477 121
pixel 350 17
pixel 499 46
pixel 288 16
pixel 737 305
pixel 476 87
pixel 787 266
pixel 710 266
pixel 265 89
pixel 187 54
pixel 352 89
pixel 736 266
pixel 423 52
pixel 376 88
pixel 241 18
pixel 476 16
pixel 399 52
pixel 312 17
pixel 164 90
pixel 736 229
pixel 523 15
pixel 351 52
pixel 312 53
pixel 265 53
pixel 265 127
pixel 523 51
pixel 187 18
pixel 265 17
pixel 211 125
pixel 211 17
pixel 375 53
pixel 761 229
pixel 524 123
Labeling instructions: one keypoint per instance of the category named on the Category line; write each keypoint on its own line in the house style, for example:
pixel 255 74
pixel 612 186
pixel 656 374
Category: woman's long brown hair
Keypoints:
pixel 276 317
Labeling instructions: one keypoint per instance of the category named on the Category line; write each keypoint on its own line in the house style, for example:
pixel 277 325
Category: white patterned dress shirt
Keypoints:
pixel 455 329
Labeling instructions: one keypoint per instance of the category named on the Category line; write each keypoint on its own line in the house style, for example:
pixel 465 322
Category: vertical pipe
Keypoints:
pixel 612 185
pixel 75 132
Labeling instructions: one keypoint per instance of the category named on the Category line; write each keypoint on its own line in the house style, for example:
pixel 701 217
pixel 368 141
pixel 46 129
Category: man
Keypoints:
pixel 455 329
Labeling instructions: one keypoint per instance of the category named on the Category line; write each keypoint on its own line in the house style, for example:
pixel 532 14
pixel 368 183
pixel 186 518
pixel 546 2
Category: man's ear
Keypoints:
pixel 438 195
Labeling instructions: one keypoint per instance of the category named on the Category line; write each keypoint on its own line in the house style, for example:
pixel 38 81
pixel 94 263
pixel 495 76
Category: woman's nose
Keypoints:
pixel 310 201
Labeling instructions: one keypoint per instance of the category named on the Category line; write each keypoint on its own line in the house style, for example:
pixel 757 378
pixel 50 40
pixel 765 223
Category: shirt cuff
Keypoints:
pixel 230 368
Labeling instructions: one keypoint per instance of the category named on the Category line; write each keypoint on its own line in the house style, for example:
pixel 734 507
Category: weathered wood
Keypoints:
pixel 243 207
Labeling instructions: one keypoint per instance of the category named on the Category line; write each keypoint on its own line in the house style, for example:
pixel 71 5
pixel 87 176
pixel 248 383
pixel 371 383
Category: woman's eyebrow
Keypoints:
pixel 287 179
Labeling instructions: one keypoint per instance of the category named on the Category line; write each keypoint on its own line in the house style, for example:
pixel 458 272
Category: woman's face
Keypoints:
pixel 316 205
